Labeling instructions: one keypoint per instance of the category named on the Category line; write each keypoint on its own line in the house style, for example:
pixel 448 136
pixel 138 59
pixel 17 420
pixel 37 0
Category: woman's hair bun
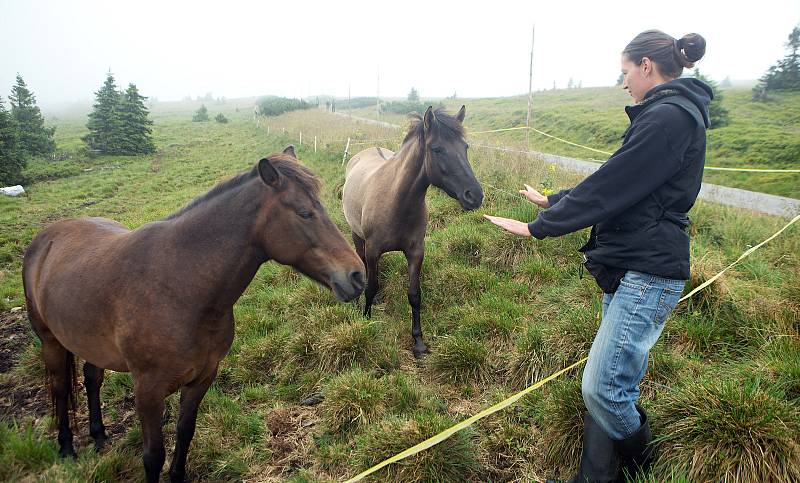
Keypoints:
pixel 690 48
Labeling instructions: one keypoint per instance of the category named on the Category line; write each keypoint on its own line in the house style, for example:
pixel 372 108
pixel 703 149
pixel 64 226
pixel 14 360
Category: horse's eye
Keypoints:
pixel 306 215
pixel 437 150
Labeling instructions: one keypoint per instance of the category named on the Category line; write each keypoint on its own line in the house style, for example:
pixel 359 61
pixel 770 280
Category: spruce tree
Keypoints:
pixel 201 115
pixel 104 122
pixel 135 134
pixel 784 74
pixel 35 139
pixel 12 157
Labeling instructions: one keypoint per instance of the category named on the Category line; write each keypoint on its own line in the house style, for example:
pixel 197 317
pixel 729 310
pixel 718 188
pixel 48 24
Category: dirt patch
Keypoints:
pixel 15 334
pixel 291 440
pixel 19 397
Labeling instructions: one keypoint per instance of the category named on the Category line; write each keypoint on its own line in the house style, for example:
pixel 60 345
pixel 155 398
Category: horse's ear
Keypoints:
pixel 429 118
pixel 290 151
pixel 268 173
pixel 461 113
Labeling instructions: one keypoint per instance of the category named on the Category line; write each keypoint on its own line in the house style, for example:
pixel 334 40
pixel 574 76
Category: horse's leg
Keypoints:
pixel 359 244
pixel 414 256
pixel 371 264
pixel 191 395
pixel 60 365
pixel 150 407
pixel 93 379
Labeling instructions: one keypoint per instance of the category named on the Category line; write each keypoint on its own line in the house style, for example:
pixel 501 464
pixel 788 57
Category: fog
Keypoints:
pixel 171 50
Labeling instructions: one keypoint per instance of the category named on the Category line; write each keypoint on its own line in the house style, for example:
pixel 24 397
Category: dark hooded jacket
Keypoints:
pixel 637 201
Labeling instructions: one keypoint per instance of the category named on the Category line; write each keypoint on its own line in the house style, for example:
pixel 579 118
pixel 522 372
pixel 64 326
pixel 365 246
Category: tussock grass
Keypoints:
pixel 507 448
pixel 780 362
pixel 460 358
pixel 529 359
pixel 562 422
pixel 452 460
pixel 351 342
pixel 467 243
pixel 259 360
pixel 718 429
pixel 22 449
pixel 354 398
pixel 228 439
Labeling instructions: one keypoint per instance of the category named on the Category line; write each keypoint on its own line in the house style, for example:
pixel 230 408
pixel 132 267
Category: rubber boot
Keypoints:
pixel 599 459
pixel 635 451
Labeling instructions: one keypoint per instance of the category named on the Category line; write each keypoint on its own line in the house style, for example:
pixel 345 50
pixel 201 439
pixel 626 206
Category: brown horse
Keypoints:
pixel 384 198
pixel 158 301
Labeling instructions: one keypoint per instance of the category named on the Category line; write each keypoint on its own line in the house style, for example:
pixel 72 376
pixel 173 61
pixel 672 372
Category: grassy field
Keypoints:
pixel 498 312
pixel 760 134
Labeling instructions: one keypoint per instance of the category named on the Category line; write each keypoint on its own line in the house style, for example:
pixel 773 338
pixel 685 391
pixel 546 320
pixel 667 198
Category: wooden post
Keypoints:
pixel 530 94
pixel 315 144
pixel 345 151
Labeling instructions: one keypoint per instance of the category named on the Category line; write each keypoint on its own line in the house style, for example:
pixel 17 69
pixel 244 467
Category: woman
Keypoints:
pixel 638 249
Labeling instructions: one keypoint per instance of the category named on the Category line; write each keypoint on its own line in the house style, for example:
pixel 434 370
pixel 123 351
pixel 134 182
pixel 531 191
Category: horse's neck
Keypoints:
pixel 410 179
pixel 215 241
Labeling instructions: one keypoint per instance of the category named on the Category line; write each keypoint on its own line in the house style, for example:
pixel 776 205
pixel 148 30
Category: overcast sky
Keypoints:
pixel 173 49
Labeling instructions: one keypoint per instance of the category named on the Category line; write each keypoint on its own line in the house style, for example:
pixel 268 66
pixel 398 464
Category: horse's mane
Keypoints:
pixel 444 123
pixel 286 165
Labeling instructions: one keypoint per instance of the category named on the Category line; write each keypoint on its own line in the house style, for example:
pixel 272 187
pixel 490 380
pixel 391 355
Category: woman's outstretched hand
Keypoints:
pixel 535 197
pixel 512 226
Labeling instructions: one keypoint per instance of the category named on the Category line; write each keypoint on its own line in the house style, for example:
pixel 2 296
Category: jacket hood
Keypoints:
pixel 697 91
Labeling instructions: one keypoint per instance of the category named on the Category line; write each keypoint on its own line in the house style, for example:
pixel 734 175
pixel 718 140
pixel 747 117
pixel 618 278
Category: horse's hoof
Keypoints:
pixel 100 443
pixel 420 352
pixel 177 477
pixel 67 452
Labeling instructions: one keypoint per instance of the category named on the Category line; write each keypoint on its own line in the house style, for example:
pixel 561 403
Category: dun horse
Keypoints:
pixel 384 198
pixel 158 301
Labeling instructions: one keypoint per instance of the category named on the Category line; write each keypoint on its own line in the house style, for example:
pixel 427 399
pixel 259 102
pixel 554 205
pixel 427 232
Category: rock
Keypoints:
pixel 15 190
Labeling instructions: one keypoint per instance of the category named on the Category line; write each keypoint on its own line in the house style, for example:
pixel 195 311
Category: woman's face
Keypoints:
pixel 638 79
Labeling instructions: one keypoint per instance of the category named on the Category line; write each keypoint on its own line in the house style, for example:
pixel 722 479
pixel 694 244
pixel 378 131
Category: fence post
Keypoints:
pixel 315 144
pixel 345 151
pixel 301 138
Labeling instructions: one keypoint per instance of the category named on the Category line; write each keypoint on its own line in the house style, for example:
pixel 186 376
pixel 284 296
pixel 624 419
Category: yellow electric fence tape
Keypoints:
pixel 434 440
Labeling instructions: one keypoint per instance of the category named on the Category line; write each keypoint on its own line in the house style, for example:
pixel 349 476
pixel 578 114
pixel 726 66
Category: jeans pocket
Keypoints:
pixel 666 303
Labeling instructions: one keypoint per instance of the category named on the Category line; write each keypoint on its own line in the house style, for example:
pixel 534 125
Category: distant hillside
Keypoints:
pixel 760 135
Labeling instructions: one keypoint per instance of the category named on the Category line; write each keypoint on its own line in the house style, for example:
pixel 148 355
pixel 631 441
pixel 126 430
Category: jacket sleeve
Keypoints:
pixel 556 197
pixel 646 161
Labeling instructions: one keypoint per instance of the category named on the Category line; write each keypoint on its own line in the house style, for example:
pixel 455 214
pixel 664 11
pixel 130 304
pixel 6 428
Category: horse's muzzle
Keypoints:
pixel 348 288
pixel 471 199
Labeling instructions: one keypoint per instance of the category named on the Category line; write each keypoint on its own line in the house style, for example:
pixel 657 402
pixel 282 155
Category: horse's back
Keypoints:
pixel 362 179
pixel 71 236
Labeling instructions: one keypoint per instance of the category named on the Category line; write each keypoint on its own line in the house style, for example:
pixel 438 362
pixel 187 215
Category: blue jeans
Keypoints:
pixel 633 319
